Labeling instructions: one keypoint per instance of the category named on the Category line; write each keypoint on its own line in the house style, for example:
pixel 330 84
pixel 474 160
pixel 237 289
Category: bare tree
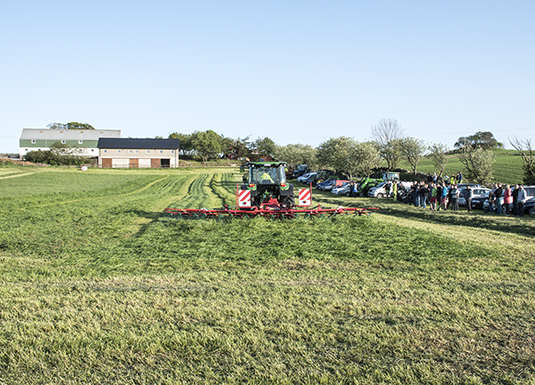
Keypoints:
pixel 437 153
pixel 413 149
pixel 527 152
pixel 478 164
pixel 386 130
pixel 388 135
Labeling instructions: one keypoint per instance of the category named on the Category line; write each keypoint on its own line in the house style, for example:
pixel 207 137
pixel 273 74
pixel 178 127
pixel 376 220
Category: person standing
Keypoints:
pixel 414 192
pixel 508 199
pixel 498 194
pixel 424 191
pixel 388 188
pixel 395 191
pixel 444 197
pixel 515 200
pixel 491 198
pixel 433 196
pixel 522 198
pixel 454 198
pixel 468 194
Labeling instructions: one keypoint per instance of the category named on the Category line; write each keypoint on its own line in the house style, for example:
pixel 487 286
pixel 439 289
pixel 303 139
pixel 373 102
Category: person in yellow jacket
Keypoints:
pixel 266 178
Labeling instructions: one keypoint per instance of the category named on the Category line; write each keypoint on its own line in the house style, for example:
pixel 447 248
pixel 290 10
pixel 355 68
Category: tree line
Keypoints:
pixel 344 155
pixel 348 156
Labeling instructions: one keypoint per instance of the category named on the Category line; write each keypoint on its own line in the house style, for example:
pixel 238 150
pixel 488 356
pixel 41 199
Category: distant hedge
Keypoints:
pixel 53 158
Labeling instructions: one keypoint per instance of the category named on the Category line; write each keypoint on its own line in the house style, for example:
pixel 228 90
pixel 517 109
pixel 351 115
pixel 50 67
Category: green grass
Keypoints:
pixel 506 169
pixel 99 287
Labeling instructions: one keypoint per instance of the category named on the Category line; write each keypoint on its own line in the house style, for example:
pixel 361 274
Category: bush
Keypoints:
pixel 53 158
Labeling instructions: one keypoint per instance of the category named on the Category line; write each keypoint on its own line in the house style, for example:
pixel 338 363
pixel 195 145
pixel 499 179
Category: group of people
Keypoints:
pixel 504 197
pixel 439 195
pixel 444 194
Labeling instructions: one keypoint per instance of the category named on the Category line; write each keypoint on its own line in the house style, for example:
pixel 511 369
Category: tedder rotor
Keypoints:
pixel 265 192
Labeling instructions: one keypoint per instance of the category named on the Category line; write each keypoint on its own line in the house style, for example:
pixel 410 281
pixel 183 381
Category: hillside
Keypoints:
pixel 506 169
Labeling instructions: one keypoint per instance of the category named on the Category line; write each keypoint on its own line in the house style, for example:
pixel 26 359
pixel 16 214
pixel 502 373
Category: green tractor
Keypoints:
pixel 267 181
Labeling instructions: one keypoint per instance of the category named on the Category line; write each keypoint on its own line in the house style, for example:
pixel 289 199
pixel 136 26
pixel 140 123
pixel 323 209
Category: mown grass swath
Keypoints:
pixel 99 287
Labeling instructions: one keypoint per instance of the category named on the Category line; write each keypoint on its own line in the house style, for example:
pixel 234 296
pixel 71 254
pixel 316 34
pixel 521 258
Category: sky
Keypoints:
pixel 294 71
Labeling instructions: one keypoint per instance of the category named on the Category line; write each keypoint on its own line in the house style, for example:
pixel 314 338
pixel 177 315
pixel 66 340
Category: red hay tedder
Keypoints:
pixel 267 194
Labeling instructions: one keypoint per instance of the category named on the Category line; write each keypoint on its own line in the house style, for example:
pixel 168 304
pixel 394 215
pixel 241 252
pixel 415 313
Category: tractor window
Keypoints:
pixel 267 175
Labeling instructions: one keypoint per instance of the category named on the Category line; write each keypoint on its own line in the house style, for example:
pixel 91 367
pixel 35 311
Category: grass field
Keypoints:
pixel 98 287
pixel 507 167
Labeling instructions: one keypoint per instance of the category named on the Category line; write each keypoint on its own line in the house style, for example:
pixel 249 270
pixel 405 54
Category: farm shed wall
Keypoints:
pixel 138 153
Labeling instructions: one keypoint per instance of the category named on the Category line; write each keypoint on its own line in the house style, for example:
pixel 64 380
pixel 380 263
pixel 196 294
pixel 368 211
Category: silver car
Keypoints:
pixel 476 193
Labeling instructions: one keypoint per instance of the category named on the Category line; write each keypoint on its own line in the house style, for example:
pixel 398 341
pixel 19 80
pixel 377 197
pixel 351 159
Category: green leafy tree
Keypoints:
pixel 79 126
pixel 59 154
pixel 240 147
pixel 70 126
pixel 296 154
pixel 478 165
pixel 437 154
pixel 264 147
pixel 207 144
pixel 483 139
pixel 185 142
pixel 335 153
pixel 57 126
pixel 364 157
pixel 413 150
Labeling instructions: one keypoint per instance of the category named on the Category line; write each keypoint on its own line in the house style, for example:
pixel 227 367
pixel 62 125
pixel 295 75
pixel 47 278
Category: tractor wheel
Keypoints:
pixel 532 211
pixel 380 195
pixel 289 201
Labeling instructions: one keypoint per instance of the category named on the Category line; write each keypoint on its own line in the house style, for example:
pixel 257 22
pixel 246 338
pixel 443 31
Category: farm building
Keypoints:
pixel 138 153
pixel 33 139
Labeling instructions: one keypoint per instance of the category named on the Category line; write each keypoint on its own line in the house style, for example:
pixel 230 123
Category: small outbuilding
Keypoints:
pixel 138 153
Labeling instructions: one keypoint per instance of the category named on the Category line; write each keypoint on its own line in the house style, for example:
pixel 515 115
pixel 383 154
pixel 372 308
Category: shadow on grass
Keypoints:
pixel 153 216
pixel 476 219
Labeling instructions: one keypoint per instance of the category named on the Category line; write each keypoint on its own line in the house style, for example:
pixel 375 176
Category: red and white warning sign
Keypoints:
pixel 244 198
pixel 305 197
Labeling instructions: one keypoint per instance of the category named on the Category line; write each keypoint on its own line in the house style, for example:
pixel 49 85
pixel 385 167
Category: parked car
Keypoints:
pixel 337 183
pixel 311 178
pixel 345 190
pixel 304 177
pixel 300 170
pixel 529 207
pixel 324 184
pixel 476 192
pixel 379 191
pixel 477 202
pixel 337 188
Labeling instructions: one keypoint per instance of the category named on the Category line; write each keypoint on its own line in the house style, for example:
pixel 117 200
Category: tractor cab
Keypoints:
pixel 267 180
pixel 267 173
